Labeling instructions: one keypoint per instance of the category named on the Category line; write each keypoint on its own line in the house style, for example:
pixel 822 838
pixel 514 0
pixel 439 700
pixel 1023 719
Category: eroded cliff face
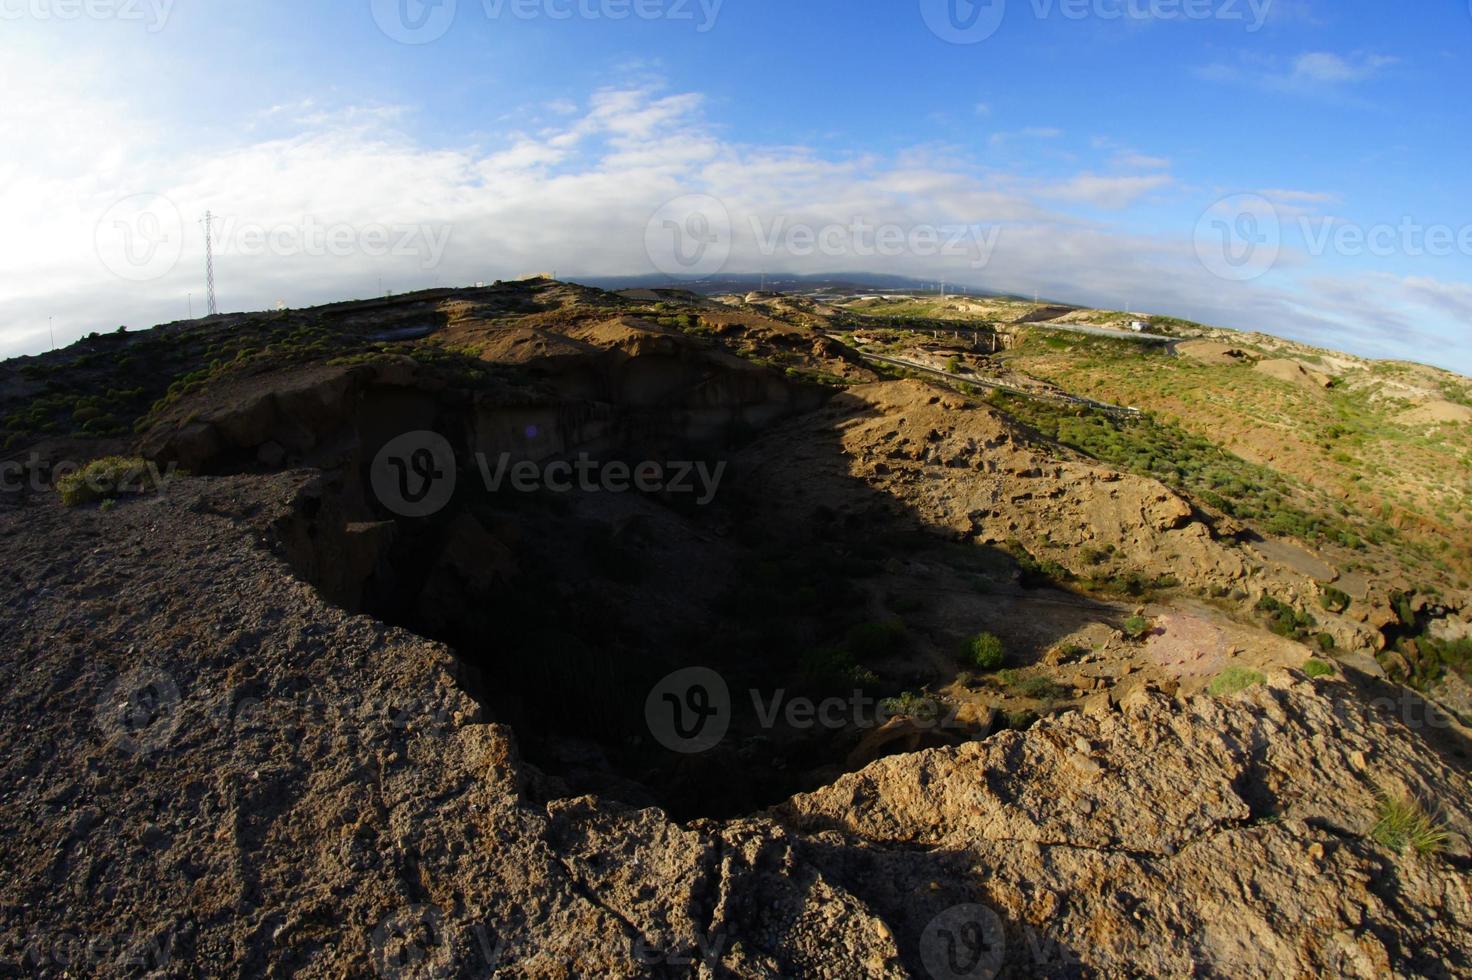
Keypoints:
pixel 212 770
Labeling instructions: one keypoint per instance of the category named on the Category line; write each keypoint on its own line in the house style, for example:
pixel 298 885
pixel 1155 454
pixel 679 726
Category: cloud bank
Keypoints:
pixel 340 202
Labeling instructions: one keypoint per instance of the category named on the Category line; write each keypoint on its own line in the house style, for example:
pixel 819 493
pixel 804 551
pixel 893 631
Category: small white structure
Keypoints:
pixel 1140 326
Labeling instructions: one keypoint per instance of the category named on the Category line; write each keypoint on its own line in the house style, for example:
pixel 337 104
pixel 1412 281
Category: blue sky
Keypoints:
pixel 1103 159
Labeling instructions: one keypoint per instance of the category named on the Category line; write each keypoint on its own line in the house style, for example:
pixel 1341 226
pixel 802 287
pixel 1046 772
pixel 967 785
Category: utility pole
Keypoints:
pixel 52 329
pixel 191 305
pixel 209 263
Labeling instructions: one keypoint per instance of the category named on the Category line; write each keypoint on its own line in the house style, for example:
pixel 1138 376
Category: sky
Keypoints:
pixel 1299 167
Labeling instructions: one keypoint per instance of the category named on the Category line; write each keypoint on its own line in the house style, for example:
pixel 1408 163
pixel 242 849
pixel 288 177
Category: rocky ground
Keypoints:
pixel 209 770
pixel 233 748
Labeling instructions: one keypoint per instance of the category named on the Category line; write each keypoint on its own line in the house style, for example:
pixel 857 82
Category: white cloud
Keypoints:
pixel 1107 192
pixel 577 196
pixel 1330 69
pixel 1322 73
pixel 1030 133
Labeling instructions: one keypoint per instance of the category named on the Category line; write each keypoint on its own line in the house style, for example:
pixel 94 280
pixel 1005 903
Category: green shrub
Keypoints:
pixel 1401 822
pixel 1234 680
pixel 1334 600
pixel 1136 627
pixel 986 652
pixel 104 479
pixel 1326 642
pixel 1285 620
pixel 1032 685
pixel 912 705
pixel 1317 668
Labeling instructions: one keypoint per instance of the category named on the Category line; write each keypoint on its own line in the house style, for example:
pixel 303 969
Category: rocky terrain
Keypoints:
pixel 278 715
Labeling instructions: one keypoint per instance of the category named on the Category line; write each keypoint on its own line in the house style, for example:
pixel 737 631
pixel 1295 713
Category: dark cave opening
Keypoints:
pixel 592 625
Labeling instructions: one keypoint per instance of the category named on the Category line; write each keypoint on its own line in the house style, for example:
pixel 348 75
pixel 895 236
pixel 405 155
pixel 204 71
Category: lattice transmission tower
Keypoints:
pixel 209 261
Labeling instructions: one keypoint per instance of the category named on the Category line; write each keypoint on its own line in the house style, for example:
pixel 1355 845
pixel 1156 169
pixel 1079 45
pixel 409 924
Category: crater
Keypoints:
pixel 570 595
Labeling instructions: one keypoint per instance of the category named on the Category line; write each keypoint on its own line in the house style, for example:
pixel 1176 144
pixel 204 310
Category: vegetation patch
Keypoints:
pixel 1318 668
pixel 106 479
pixel 1032 685
pixel 1284 620
pixel 986 652
pixel 1234 680
pixel 1403 822
pixel 1137 627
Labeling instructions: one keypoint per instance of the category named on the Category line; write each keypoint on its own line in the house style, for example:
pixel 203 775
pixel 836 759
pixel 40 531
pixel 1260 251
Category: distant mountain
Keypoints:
pixel 846 283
